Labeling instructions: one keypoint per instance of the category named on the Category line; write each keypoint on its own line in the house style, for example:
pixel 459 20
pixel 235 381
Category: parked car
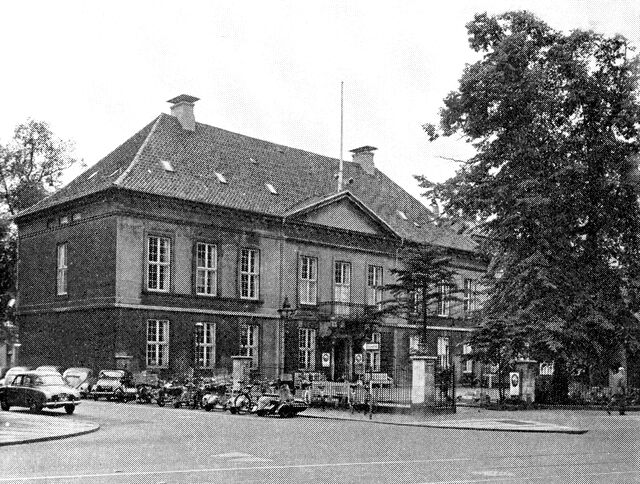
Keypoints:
pixel 37 390
pixel 12 372
pixel 81 379
pixel 57 369
pixel 114 384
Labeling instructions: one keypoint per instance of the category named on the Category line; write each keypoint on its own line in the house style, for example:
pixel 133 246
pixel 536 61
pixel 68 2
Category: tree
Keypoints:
pixel 425 270
pixel 554 119
pixel 32 164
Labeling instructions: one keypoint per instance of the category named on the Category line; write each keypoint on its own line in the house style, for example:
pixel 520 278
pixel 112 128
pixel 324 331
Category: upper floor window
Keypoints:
pixel 206 344
pixel 374 286
pixel 61 273
pixel 443 351
pixel 469 295
pixel 308 284
pixel 443 299
pixel 158 263
pixel 307 349
pixel 157 343
pixel 206 269
pixel 249 274
pixel 249 342
pixel 342 287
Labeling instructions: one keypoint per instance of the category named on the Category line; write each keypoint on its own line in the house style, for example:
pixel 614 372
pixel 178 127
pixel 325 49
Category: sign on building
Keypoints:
pixel 514 384
pixel 326 360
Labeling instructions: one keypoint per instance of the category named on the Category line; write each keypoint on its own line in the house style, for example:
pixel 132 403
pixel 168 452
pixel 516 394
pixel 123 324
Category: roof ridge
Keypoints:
pixel 143 145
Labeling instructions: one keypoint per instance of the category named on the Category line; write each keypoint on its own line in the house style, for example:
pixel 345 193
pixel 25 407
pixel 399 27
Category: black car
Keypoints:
pixel 37 390
pixel 114 385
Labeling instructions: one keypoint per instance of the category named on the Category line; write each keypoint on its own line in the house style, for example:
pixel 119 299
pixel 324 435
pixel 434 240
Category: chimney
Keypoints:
pixel 364 157
pixel 182 108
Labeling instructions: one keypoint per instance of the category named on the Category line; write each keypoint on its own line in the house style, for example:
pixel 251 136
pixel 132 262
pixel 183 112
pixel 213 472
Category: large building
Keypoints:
pixel 179 249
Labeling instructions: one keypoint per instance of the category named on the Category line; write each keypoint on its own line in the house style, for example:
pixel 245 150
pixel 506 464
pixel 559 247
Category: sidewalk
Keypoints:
pixel 465 419
pixel 22 428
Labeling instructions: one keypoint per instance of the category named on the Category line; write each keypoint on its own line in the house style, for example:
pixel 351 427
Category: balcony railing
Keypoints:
pixel 338 309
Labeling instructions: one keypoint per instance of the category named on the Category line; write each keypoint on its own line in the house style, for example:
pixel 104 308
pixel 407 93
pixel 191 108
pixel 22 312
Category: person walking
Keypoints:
pixel 619 390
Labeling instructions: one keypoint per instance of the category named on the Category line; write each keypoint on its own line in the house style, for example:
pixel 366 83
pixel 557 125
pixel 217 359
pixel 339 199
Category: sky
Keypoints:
pixel 97 72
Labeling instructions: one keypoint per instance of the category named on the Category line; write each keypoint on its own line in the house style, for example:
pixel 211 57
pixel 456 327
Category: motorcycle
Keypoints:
pixel 241 402
pixel 280 404
pixel 215 397
pixel 178 395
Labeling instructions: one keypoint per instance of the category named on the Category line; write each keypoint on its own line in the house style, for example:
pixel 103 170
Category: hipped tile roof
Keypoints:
pixel 300 178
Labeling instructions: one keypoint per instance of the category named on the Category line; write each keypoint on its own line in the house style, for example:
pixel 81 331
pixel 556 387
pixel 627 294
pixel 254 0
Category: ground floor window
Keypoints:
pixel 468 362
pixel 373 356
pixel 157 343
pixel 307 349
pixel 249 334
pixel 206 344
pixel 443 351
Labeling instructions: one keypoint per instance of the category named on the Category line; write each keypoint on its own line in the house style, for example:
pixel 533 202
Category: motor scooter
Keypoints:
pixel 215 397
pixel 281 404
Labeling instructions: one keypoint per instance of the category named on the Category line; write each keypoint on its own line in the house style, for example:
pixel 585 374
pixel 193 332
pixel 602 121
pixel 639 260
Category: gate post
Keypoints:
pixel 422 381
pixel 528 373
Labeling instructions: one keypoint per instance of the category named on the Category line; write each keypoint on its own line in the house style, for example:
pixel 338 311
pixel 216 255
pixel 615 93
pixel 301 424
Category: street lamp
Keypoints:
pixel 285 312
pixel 198 335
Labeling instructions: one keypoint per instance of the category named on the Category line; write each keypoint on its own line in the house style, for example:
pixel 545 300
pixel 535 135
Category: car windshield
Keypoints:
pixel 111 374
pixel 73 380
pixel 48 380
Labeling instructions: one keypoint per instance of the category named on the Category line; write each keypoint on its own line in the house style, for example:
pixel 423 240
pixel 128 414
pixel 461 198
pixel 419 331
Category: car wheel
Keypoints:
pixel 95 397
pixel 69 409
pixel 118 395
pixel 4 405
pixel 35 407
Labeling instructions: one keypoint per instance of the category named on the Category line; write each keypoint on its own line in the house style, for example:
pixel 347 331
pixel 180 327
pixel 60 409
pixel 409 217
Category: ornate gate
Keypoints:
pixel 444 388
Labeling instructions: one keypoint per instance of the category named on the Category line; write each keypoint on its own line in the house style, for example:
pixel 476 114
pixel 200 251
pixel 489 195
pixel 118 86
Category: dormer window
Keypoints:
pixel 403 215
pixel 271 188
pixel 253 160
pixel 221 177
pixel 166 164
pixel 92 175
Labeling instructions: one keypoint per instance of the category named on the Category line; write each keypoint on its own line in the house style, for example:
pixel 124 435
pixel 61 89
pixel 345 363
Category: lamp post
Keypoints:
pixel 196 356
pixel 285 312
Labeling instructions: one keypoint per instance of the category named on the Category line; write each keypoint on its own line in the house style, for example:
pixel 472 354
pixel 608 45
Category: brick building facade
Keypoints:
pixel 178 249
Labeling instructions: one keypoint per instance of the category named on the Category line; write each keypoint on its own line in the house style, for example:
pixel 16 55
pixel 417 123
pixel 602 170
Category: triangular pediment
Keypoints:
pixel 343 211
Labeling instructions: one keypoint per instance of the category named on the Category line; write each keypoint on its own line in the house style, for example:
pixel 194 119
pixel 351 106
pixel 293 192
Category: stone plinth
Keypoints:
pixel 423 380
pixel 241 365
pixel 528 370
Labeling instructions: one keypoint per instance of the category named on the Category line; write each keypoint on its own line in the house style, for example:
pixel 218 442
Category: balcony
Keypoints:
pixel 342 310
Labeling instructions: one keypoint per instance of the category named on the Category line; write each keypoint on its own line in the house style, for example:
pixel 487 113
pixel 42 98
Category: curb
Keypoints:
pixel 50 437
pixel 558 430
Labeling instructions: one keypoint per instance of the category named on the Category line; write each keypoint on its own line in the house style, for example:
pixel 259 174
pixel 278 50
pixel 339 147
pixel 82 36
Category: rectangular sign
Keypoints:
pixel 371 346
pixel 326 360
pixel 514 384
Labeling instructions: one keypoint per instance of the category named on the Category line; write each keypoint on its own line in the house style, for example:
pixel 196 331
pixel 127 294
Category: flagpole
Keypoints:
pixel 341 168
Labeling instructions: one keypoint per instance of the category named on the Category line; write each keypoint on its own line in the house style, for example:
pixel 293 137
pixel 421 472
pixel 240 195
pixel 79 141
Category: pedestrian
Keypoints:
pixel 619 392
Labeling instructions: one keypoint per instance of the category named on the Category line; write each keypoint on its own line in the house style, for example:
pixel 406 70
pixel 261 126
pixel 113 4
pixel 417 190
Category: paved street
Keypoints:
pixel 148 444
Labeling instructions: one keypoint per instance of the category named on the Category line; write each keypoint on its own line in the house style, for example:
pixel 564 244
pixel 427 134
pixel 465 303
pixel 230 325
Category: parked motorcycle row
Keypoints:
pixel 210 395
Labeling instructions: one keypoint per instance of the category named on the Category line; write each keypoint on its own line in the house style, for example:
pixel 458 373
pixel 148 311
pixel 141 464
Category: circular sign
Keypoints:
pixel 515 380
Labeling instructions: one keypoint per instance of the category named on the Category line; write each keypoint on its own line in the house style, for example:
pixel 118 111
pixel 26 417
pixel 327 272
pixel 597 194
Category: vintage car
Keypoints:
pixel 37 390
pixel 81 379
pixel 12 372
pixel 114 384
pixel 57 369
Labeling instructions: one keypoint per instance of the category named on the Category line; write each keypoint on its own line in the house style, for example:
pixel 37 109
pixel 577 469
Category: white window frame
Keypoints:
pixel 373 356
pixel 443 351
pixel 250 342
pixel 157 343
pixel 161 266
pixel 469 295
pixel 443 299
pixel 62 257
pixel 374 285
pixel 206 338
pixel 308 280
pixel 249 273
pixel 207 272
pixel 468 363
pixel 307 349
pixel 342 287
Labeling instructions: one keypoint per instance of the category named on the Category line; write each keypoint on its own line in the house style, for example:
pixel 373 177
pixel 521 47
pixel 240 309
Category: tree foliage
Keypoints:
pixel 554 118
pixel 31 164
pixel 424 269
